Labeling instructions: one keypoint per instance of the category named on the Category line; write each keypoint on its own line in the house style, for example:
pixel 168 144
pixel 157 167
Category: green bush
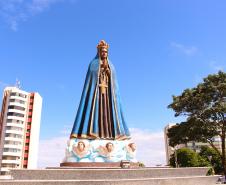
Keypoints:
pixel 213 157
pixel 188 158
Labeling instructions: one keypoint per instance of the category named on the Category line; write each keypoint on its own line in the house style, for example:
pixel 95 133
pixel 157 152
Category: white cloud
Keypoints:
pixel 51 151
pixel 16 11
pixel 187 50
pixel 150 148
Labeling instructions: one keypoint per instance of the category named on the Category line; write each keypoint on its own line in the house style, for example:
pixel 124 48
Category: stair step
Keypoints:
pixel 195 180
pixel 88 174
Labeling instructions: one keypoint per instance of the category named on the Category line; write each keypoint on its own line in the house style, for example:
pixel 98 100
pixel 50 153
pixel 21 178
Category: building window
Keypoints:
pixel 9 158
pixel 14 128
pixel 13 142
pixel 13 135
pixel 22 95
pixel 16 107
pixel 18 101
pixel 10 120
pixel 19 121
pixel 18 94
pixel 15 114
pixel 13 94
pixel 5 173
pixel 14 121
pixel 8 165
pixel 11 150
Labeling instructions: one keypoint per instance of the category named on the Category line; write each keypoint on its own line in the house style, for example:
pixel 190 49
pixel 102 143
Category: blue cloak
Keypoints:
pixel 86 121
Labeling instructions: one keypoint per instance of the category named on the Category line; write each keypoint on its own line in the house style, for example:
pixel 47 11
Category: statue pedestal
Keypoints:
pixel 98 151
pixel 98 165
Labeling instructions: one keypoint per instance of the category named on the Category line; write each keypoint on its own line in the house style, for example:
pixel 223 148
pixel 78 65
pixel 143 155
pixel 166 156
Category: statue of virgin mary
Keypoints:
pixel 100 114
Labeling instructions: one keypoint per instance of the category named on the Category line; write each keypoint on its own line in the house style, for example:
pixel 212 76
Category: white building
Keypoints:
pixel 195 146
pixel 169 150
pixel 19 129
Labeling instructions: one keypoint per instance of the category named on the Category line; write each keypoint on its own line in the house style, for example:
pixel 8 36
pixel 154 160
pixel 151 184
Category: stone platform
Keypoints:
pixel 114 176
pixel 97 165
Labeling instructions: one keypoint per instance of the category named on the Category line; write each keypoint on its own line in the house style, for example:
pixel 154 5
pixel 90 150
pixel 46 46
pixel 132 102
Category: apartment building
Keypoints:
pixel 19 129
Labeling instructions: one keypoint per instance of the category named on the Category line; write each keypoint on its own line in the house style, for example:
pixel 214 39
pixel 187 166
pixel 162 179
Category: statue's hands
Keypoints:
pixel 108 71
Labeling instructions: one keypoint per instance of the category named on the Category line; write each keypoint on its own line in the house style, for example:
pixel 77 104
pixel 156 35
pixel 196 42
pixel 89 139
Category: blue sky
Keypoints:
pixel 158 48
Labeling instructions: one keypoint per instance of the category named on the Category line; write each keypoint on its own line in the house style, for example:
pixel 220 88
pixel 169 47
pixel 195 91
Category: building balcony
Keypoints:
pixel 16 117
pixel 15 125
pixel 4 169
pixel 11 131
pixel 18 98
pixel 17 154
pixel 17 111
pixel 18 104
pixel 10 162
pixel 13 146
pixel 14 139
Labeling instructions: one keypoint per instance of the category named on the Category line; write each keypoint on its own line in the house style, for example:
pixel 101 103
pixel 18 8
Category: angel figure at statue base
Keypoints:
pixel 108 153
pixel 80 152
pixel 131 152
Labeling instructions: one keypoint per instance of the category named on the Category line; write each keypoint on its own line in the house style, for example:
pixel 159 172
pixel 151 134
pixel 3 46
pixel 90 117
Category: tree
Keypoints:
pixel 213 157
pixel 188 158
pixel 204 107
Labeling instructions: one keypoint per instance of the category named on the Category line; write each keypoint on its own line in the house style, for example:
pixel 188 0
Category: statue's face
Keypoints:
pixel 103 53
pixel 81 146
pixel 109 147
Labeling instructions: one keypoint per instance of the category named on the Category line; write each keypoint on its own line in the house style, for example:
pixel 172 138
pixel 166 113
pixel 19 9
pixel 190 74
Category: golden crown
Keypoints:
pixel 102 44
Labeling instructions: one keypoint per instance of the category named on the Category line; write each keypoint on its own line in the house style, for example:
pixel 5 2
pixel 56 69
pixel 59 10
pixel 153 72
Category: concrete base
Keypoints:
pixel 97 165
pixel 96 150
pixel 150 181
pixel 140 176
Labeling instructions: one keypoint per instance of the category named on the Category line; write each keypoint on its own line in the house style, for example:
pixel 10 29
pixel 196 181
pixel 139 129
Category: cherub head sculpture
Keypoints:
pixel 132 147
pixel 109 147
pixel 81 146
